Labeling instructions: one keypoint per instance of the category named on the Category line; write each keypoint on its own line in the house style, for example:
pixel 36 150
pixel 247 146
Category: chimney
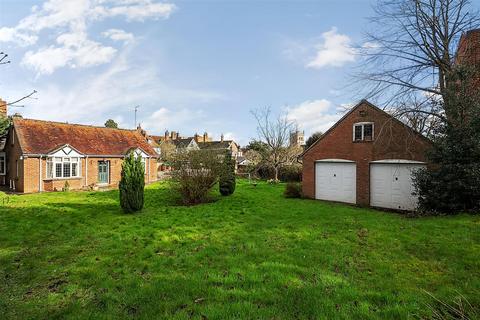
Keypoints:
pixel 196 137
pixel 142 132
pixel 205 137
pixel 221 138
pixel 3 108
pixel 166 135
pixel 468 51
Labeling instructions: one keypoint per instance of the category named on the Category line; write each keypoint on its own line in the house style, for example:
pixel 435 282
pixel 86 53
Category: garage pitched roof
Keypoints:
pixel 43 137
pixel 363 101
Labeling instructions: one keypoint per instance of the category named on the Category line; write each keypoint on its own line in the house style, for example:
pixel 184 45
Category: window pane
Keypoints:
pixel 2 164
pixel 367 132
pixel 49 169
pixel 66 170
pixel 58 170
pixel 358 132
pixel 58 159
pixel 74 169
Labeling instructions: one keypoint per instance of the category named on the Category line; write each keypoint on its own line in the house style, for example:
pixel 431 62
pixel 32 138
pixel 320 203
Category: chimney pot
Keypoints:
pixel 3 109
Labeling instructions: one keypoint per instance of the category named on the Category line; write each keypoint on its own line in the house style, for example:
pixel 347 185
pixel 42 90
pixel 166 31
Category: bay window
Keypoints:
pixel 63 167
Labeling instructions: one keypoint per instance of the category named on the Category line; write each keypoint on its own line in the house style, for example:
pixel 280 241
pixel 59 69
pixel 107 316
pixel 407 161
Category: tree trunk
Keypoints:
pixel 276 174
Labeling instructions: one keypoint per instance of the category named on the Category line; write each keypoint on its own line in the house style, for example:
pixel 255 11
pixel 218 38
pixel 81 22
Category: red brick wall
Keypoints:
pixel 13 153
pixel 392 140
pixel 468 51
pixel 3 108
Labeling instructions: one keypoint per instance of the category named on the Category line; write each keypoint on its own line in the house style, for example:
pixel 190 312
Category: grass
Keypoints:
pixel 252 255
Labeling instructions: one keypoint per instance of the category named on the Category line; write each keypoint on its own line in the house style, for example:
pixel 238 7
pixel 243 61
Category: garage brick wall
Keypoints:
pixel 392 140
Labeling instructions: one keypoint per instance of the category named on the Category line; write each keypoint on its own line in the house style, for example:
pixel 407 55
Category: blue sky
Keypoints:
pixel 192 66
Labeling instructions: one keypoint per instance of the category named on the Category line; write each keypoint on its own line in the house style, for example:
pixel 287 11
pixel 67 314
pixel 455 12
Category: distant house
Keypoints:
pixel 43 155
pixel 222 145
pixel 185 144
pixel 197 142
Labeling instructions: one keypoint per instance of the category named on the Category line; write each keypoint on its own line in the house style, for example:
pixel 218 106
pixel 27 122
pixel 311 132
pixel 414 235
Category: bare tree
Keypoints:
pixel 3 57
pixel 409 54
pixel 275 133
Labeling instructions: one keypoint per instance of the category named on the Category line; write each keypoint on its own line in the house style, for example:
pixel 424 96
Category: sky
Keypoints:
pixel 191 66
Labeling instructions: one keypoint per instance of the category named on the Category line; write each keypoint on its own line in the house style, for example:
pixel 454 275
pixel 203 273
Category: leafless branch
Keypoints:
pixel 410 52
pixel 23 98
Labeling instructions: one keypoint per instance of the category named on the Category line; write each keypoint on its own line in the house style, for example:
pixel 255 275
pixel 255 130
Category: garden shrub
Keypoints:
pixel 293 190
pixel 132 184
pixel 66 186
pixel 194 175
pixel 226 181
pixel 290 173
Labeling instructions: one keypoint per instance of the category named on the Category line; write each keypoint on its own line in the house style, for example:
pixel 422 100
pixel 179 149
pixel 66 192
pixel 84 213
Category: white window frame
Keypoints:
pixel 3 164
pixel 362 125
pixel 52 171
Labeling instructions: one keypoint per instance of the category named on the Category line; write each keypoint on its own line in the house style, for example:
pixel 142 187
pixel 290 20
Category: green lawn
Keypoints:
pixel 252 255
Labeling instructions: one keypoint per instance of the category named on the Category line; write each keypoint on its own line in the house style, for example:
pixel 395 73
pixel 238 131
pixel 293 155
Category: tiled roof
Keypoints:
pixel 182 143
pixel 214 145
pixel 42 137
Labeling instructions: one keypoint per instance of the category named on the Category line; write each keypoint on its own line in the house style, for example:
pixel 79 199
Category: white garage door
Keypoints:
pixel 336 181
pixel 391 184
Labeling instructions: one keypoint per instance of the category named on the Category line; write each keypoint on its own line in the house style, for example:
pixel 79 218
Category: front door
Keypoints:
pixel 103 171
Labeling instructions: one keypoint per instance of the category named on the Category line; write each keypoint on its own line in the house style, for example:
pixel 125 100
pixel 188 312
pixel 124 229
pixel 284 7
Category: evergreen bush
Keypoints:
pixel 132 184
pixel 226 181
pixel 451 183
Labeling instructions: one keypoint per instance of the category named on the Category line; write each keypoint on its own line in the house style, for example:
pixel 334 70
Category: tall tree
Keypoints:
pixel 312 139
pixel 274 132
pixel 409 54
pixel 451 184
pixel 110 123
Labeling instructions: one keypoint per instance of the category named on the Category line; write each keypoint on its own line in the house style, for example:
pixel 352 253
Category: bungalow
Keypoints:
pixel 43 155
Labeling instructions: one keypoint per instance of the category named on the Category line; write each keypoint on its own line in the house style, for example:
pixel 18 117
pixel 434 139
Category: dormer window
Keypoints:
pixel 363 131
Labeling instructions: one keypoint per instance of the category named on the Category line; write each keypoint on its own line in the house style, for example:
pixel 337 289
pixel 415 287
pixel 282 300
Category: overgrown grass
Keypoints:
pixel 252 255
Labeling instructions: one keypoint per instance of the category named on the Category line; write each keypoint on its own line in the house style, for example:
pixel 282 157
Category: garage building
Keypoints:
pixel 366 158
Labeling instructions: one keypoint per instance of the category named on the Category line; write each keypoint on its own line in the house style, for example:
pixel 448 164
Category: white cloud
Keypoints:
pixel 314 115
pixel 74 50
pixel 118 35
pixel 113 94
pixel 70 19
pixel 335 51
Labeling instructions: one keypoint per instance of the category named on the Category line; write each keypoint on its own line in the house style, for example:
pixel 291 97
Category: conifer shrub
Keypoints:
pixel 226 181
pixel 132 184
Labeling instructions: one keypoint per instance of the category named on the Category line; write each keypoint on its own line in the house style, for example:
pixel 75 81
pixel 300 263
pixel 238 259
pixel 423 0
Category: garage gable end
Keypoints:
pixel 367 123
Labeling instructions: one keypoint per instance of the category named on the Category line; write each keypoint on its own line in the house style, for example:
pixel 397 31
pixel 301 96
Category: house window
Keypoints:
pixel 61 167
pixel 2 163
pixel 363 131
